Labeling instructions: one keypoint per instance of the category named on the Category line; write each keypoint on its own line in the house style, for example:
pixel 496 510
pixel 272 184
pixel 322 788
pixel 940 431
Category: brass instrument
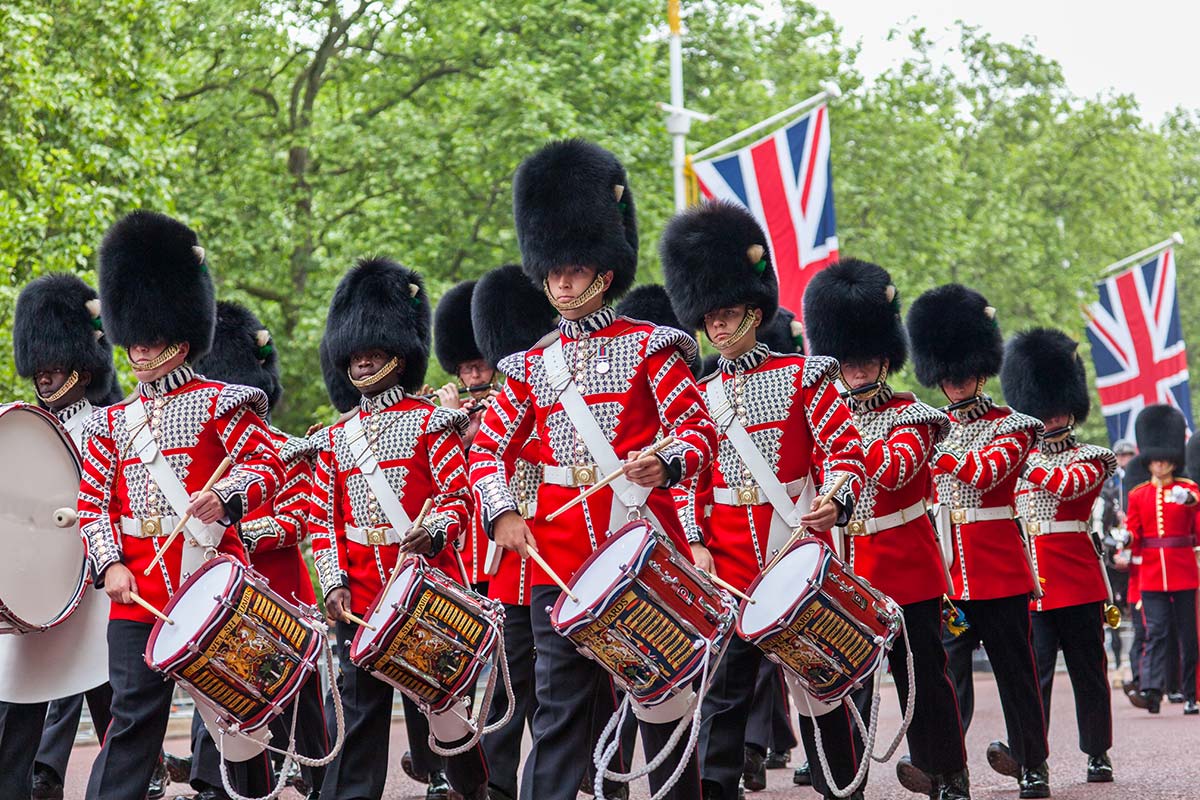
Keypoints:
pixel 1112 616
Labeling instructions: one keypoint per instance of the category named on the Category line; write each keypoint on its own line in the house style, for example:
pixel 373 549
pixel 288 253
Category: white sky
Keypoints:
pixel 1145 47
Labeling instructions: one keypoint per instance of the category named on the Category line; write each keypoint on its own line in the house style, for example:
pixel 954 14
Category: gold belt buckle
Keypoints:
pixel 747 495
pixel 1034 527
pixel 958 516
pixel 152 526
pixel 584 475
pixel 376 536
pixel 857 527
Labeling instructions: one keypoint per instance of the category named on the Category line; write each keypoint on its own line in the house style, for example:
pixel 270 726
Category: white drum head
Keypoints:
pixel 595 579
pixel 42 567
pixel 778 590
pixel 384 610
pixel 191 611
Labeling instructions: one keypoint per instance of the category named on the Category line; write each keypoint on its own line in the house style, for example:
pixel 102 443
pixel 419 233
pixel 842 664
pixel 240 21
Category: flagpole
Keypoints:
pixel 1153 250
pixel 829 91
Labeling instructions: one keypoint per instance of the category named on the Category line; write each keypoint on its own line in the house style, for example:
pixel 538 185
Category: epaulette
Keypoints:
pixel 1093 452
pixel 233 395
pixel 513 365
pixel 1015 421
pixel 447 418
pixel 98 423
pixel 918 413
pixel 662 337
pixel 817 367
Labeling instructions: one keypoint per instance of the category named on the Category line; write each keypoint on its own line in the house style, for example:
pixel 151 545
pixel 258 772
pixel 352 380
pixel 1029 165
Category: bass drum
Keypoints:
pixel 52 625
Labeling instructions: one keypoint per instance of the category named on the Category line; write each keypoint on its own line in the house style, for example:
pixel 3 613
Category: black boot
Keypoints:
pixel 211 793
pixel 46 784
pixel 911 777
pixel 1000 758
pixel 778 759
pixel 159 780
pixel 1190 708
pixel 406 764
pixel 439 787
pixel 179 770
pixel 1099 769
pixel 1176 697
pixel 1153 700
pixel 754 770
pixel 954 786
pixel 1035 782
pixel 802 775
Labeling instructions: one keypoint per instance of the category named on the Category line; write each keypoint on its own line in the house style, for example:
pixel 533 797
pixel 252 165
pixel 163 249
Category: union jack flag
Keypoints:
pixel 1137 344
pixel 786 181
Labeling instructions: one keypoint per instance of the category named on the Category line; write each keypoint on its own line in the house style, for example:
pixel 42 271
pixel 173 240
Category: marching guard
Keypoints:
pixel 1043 376
pixel 780 422
pixel 956 347
pixel 852 313
pixel 1161 518
pixel 58 344
pixel 244 353
pixel 375 468
pixel 147 458
pixel 594 393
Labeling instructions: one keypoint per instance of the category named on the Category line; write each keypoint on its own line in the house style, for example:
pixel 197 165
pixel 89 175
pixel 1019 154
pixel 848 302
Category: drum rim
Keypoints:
pixel 234 575
pixel 418 573
pixel 783 621
pixel 608 596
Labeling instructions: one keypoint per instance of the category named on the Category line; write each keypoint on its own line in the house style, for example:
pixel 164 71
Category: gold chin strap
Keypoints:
pixel 166 355
pixel 67 386
pixel 880 382
pixel 595 288
pixel 1061 433
pixel 371 380
pixel 742 329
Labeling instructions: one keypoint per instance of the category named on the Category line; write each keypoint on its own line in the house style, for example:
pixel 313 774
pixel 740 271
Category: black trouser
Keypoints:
pixel 1079 632
pixel 1003 627
pixel 503 746
pixel 141 707
pixel 360 770
pixel 1161 608
pixel 416 728
pixel 20 729
pixel 567 682
pixel 62 723
pixel 253 777
pixel 1137 650
pixel 723 730
pixel 769 726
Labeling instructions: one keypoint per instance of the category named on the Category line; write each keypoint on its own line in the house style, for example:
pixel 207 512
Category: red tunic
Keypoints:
pixel 791 409
pixel 977 467
pixel 510 584
pixel 1163 534
pixel 197 423
pixel 637 385
pixel 1060 485
pixel 273 533
pixel 899 433
pixel 419 448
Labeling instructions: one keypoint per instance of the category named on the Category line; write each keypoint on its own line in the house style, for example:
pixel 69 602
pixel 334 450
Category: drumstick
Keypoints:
pixel 216 476
pixel 541 562
pixel 346 615
pixel 825 498
pixel 416 524
pixel 137 598
pixel 607 479
pixel 729 587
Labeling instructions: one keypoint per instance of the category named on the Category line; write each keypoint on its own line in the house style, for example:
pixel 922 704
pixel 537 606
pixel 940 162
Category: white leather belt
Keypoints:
pixel 527 510
pixel 1040 527
pixel 752 495
pixel 148 527
pixel 573 476
pixel 872 526
pixel 962 516
pixel 372 537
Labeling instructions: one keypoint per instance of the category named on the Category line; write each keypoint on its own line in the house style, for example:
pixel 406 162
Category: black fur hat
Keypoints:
pixel 453 334
pixel 242 352
pixel 573 206
pixel 1160 431
pixel 954 335
pixel 1043 375
pixel 650 303
pixel 341 391
pixel 783 334
pixel 380 304
pixel 154 284
pixel 852 313
pixel 57 323
pixel 715 255
pixel 508 313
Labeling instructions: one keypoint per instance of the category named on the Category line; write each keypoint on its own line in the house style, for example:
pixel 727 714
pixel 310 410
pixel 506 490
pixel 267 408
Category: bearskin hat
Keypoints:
pixel 57 323
pixel 783 334
pixel 1043 375
pixel 154 284
pixel 508 313
pixel 342 393
pixel 954 335
pixel 242 352
pixel 453 334
pixel 852 313
pixel 1161 432
pixel 650 303
pixel 715 255
pixel 380 304
pixel 573 206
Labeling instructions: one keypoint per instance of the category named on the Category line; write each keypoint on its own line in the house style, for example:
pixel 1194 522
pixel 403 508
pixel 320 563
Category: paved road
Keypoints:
pixel 1156 758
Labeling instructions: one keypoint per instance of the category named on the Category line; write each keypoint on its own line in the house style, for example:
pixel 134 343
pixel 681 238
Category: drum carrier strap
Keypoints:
pixel 368 465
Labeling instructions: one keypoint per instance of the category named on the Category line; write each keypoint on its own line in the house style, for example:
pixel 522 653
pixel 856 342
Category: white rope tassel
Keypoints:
pixel 909 705
pixel 868 745
pixel 499 665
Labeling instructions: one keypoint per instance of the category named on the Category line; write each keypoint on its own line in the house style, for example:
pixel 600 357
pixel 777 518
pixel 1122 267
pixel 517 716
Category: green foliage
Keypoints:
pixel 299 135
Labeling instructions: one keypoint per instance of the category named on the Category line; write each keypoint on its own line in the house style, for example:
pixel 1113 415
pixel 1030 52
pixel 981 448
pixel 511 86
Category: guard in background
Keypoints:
pixel 1043 376
pixel 956 347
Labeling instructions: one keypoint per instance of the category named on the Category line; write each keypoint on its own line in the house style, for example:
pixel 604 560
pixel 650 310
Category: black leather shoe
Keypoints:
pixel 1153 700
pixel 954 786
pixel 1035 782
pixel 754 770
pixel 1134 693
pixel 710 791
pixel 1099 769
pixel 46 785
pixel 211 794
pixel 1000 758
pixel 1176 697
pixel 914 779
pixel 439 787
pixel 778 759
pixel 1191 708
pixel 406 764
pixel 179 770
pixel 159 780
pixel 802 776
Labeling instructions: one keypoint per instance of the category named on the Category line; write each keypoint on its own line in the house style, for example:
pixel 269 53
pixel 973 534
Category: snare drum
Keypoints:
pixel 432 636
pixel 236 644
pixel 828 627
pixel 645 614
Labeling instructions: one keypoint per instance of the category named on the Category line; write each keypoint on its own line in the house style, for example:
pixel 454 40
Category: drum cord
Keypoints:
pixel 499 664
pixel 290 756
pixel 605 749
pixel 910 702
